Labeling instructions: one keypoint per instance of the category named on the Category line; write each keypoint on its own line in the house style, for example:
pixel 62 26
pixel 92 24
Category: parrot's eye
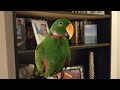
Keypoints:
pixel 60 24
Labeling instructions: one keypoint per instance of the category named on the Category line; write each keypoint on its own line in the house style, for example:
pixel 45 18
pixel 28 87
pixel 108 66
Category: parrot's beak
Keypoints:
pixel 70 30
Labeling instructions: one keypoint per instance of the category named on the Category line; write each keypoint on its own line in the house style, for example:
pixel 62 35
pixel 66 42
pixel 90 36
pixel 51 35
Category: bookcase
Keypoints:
pixel 79 52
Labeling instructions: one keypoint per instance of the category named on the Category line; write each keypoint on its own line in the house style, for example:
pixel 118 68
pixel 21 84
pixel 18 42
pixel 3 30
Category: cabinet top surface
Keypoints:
pixel 52 15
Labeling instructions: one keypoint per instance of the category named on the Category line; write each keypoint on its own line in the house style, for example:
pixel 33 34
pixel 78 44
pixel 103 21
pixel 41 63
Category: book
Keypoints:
pixel 79 12
pixel 40 29
pixel 82 32
pixel 90 33
pixel 76 36
pixel 96 12
pixel 83 11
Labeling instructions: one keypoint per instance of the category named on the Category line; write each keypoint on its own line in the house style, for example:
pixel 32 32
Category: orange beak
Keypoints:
pixel 70 30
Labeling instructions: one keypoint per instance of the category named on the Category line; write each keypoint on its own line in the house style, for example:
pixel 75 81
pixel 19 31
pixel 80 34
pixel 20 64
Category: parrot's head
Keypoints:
pixel 62 27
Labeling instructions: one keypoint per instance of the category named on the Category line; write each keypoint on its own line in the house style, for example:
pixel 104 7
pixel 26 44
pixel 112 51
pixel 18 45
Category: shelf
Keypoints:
pixel 27 56
pixel 25 51
pixel 73 47
pixel 53 15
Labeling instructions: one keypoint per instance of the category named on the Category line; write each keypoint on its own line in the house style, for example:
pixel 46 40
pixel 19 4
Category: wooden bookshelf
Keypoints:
pixel 80 52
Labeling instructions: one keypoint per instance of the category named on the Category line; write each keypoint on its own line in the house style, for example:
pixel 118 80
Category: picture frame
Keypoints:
pixel 77 72
pixel 40 29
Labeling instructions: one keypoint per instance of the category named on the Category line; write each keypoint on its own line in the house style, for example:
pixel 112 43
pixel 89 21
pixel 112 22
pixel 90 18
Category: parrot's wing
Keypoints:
pixel 39 58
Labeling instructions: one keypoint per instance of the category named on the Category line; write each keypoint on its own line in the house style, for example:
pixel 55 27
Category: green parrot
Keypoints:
pixel 53 53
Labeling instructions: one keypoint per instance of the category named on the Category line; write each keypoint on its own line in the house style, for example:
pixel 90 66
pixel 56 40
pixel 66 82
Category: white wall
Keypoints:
pixel 118 48
pixel 115 46
pixel 7 59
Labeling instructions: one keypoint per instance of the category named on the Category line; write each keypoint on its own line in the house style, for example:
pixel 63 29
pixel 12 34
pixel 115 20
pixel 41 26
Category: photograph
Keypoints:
pixel 20 31
pixel 40 29
pixel 77 72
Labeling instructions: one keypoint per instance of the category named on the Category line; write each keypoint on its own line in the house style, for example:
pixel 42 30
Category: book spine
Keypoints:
pixel 77 31
pixel 76 36
pixel 81 32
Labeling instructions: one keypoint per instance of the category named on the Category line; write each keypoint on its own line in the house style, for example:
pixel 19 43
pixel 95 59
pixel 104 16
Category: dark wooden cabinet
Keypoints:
pixel 80 52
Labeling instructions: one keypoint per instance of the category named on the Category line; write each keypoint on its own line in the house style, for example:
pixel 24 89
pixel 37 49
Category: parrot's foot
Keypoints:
pixel 53 77
pixel 59 75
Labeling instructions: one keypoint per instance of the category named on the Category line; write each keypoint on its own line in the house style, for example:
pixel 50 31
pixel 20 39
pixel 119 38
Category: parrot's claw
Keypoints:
pixel 53 77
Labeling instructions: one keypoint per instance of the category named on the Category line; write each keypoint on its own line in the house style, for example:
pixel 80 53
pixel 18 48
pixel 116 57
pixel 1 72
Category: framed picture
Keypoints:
pixel 40 29
pixel 96 12
pixel 77 72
